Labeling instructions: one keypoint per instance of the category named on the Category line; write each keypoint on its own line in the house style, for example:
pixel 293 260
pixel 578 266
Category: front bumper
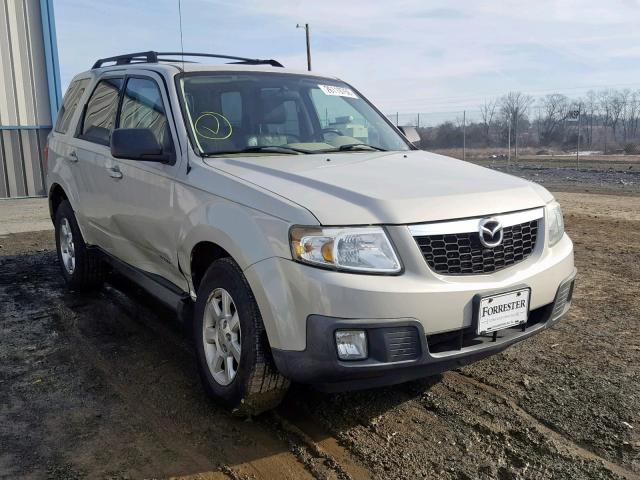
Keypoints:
pixel 400 350
pixel 288 293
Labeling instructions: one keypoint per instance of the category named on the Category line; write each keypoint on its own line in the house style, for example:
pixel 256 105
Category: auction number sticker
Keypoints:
pixel 337 91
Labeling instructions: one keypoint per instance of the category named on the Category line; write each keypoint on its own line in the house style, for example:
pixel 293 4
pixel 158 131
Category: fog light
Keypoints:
pixel 352 344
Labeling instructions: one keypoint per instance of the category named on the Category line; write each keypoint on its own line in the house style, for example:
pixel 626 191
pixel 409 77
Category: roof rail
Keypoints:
pixel 153 57
pixel 140 57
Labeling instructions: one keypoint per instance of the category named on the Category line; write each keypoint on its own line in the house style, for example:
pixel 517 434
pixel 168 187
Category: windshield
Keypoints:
pixel 267 113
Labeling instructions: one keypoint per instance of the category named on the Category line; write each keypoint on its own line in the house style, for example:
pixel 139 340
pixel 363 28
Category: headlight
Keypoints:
pixel 555 221
pixel 358 249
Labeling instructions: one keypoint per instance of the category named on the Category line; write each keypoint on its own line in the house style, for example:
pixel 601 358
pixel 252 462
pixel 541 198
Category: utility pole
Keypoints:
pixel 418 122
pixel 515 126
pixel 578 139
pixel 306 31
pixel 464 135
pixel 509 156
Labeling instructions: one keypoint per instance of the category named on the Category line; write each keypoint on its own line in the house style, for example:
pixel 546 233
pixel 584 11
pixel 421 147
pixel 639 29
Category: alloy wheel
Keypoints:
pixel 67 247
pixel 221 336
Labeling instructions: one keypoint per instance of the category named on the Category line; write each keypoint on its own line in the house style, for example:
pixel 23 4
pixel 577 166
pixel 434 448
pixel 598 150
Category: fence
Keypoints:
pixel 477 134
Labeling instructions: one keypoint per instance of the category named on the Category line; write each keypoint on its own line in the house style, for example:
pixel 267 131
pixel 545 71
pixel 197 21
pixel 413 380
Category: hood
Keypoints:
pixel 362 188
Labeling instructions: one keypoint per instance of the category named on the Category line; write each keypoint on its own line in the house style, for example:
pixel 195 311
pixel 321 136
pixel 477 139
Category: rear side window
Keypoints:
pixel 142 107
pixel 69 105
pixel 100 115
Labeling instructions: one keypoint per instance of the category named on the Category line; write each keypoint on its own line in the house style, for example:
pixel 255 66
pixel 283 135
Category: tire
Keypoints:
pixel 82 269
pixel 253 384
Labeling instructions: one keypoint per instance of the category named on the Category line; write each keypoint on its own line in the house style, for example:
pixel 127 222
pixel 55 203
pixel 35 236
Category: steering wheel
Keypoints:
pixel 332 130
pixel 296 137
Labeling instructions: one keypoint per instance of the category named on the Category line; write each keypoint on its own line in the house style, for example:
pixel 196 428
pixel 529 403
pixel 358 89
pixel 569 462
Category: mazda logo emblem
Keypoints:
pixel 490 232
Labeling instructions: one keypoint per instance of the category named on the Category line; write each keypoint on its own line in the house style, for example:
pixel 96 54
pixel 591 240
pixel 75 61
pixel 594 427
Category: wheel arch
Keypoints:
pixel 203 254
pixel 224 229
pixel 56 196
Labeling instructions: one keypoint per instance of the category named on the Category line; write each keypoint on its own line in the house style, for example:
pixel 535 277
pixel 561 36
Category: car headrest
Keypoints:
pixel 273 111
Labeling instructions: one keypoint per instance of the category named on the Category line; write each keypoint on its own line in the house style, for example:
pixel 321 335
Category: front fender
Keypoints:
pixel 248 235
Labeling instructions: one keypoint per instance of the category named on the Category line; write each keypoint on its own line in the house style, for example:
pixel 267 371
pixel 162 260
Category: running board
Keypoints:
pixel 158 287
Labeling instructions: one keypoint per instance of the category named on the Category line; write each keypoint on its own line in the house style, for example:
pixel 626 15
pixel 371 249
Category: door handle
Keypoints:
pixel 114 172
pixel 73 157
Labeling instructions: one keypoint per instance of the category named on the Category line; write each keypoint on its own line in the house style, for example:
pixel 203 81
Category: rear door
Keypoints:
pixel 91 151
pixel 62 158
pixel 144 222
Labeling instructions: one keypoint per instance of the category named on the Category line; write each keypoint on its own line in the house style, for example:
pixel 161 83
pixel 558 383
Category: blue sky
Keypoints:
pixel 406 55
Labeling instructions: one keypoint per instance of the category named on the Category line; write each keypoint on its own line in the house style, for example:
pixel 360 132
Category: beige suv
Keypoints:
pixel 302 235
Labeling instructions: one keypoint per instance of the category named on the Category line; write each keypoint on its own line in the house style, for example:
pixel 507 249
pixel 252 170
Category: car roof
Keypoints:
pixel 173 68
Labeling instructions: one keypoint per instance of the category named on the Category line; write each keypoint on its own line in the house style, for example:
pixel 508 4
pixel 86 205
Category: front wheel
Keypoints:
pixel 233 354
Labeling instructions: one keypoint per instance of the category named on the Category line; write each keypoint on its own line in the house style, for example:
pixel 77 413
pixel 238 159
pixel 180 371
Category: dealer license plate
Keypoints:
pixel 503 310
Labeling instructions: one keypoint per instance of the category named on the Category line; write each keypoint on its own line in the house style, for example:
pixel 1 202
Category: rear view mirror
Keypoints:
pixel 136 144
pixel 411 134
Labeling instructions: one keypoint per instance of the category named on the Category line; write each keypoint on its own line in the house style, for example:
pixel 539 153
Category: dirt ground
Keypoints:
pixel 105 386
pixel 529 156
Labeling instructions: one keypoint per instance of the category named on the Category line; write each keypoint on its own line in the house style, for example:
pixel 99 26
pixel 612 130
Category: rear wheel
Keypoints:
pixel 234 358
pixel 82 269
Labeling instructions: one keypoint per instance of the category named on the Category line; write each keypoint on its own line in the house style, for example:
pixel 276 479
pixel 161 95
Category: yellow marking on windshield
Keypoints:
pixel 212 132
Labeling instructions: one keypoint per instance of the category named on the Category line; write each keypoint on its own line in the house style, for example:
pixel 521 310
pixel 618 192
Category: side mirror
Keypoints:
pixel 411 134
pixel 137 144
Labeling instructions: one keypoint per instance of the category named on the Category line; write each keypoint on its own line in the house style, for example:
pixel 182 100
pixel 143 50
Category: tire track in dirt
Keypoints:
pixel 311 445
pixel 265 463
pixel 247 450
pixel 308 442
pixel 320 444
pixel 136 404
pixel 318 452
pixel 561 440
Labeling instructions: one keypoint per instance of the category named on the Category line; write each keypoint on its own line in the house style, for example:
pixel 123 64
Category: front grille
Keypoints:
pixel 463 254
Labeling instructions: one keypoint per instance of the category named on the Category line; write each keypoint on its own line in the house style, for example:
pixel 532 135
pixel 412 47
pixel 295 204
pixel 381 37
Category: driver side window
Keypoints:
pixel 142 107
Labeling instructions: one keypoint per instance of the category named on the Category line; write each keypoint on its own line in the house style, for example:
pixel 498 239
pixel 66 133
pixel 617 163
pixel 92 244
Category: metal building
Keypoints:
pixel 29 93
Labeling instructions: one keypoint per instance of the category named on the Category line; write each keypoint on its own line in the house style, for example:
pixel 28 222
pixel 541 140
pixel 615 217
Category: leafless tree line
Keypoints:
pixel 608 120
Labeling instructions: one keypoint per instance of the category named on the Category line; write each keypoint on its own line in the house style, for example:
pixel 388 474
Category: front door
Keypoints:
pixel 144 223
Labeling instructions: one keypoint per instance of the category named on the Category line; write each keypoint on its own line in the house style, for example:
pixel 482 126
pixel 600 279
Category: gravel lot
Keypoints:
pixel 105 386
pixel 619 182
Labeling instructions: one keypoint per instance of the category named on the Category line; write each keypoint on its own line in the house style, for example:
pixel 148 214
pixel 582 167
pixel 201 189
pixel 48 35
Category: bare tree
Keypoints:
pixel 618 101
pixel 553 112
pixel 608 116
pixel 612 104
pixel 514 107
pixel 591 108
pixel 604 103
pixel 630 114
pixel 488 114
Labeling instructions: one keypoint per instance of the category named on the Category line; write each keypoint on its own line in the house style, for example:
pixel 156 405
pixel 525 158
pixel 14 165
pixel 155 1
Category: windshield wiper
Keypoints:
pixel 357 146
pixel 264 148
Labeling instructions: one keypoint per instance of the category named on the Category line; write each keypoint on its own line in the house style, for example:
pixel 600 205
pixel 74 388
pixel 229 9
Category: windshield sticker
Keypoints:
pixel 337 91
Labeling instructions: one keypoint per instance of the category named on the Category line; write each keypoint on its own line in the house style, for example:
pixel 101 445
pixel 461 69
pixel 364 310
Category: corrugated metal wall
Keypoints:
pixel 25 95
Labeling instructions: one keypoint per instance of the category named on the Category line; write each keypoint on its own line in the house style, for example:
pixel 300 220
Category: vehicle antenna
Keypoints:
pixel 182 54
pixel 181 41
